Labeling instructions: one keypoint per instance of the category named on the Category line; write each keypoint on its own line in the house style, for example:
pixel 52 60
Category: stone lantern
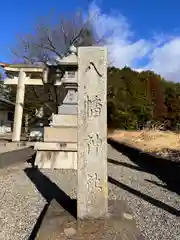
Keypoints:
pixel 59 149
pixel 68 65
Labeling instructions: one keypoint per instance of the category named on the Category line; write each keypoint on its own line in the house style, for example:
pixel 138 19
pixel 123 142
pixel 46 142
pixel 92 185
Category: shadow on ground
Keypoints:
pixel 145 197
pixel 166 170
pixel 50 191
pixel 124 164
pixel 16 156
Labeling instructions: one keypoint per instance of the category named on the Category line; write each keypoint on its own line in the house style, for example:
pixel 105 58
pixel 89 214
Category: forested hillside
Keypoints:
pixel 136 100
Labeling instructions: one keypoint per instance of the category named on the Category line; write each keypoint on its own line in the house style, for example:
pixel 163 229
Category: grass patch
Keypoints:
pixel 164 143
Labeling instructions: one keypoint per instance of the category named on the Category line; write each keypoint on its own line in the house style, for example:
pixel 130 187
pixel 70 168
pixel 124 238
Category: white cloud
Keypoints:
pixel 162 52
pixel 165 59
pixel 115 29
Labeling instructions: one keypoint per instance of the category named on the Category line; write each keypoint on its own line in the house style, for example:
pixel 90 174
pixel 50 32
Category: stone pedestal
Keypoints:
pixel 63 130
pixel 56 155
pixel 63 134
pixel 56 159
pixel 64 120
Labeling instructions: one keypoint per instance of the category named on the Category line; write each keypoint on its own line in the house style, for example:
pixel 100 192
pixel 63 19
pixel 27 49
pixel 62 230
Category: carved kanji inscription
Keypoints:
pixel 93 106
pixel 94 181
pixel 94 142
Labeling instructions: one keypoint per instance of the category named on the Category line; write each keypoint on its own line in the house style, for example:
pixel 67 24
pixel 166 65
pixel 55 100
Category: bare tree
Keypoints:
pixel 50 42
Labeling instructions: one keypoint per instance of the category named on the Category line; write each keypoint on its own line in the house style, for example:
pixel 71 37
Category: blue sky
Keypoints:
pixel 146 34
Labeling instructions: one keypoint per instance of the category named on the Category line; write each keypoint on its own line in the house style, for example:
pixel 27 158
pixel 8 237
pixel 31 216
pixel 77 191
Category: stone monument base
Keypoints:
pixel 60 134
pixel 64 120
pixel 56 155
pixel 60 224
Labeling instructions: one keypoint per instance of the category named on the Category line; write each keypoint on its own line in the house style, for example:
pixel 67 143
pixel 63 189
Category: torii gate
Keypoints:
pixel 22 75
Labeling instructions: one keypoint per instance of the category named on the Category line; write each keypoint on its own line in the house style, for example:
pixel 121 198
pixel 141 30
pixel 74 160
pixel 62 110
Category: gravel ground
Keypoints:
pixel 21 203
pixel 154 222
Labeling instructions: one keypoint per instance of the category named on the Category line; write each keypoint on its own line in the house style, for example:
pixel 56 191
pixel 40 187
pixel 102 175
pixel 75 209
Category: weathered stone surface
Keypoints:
pixel 64 120
pixel 18 115
pixel 71 97
pixel 68 109
pixel 92 192
pixel 60 224
pixel 69 105
pixel 56 159
pixel 60 134
pixel 70 77
pixel 72 147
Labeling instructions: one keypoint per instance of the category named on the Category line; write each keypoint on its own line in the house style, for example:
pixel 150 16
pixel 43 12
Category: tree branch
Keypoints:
pixel 52 47
pixel 44 103
pixel 76 37
pixel 49 49
pixel 64 33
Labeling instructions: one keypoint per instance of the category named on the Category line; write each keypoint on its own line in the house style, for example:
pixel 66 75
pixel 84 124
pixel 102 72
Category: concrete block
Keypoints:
pixel 56 160
pixel 68 109
pixel 60 134
pixel 64 120
pixel 52 146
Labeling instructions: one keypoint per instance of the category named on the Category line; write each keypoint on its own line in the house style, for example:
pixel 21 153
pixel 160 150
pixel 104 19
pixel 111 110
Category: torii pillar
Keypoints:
pixel 28 75
pixel 19 107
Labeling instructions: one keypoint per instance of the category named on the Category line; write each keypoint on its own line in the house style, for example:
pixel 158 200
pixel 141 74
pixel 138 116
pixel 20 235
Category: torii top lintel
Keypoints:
pixel 35 75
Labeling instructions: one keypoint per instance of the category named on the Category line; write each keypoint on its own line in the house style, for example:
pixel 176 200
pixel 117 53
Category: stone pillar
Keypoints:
pixel 92 189
pixel 19 108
